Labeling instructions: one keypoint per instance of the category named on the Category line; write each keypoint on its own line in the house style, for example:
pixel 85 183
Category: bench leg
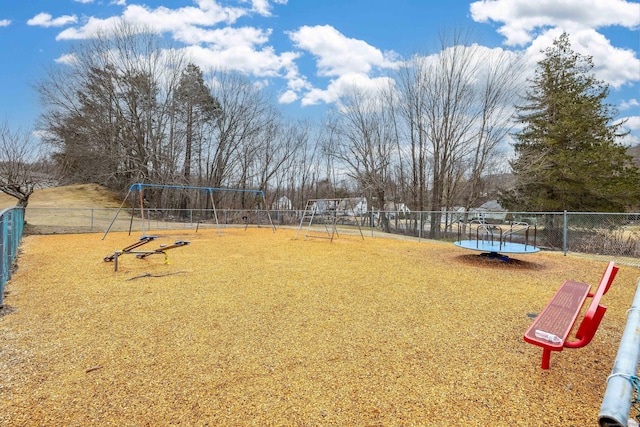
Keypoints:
pixel 546 355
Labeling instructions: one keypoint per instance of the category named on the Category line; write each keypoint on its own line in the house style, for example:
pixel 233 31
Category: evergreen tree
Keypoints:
pixel 196 107
pixel 567 154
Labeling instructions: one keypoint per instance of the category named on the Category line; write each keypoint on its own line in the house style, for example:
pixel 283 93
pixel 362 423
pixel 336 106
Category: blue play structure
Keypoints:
pixel 139 188
pixel 494 241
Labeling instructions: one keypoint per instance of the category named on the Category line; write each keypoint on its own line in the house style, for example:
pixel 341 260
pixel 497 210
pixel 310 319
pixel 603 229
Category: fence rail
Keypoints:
pixel 11 228
pixel 607 235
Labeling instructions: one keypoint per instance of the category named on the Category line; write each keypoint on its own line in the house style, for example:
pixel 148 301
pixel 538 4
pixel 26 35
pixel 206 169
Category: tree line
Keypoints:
pixel 127 108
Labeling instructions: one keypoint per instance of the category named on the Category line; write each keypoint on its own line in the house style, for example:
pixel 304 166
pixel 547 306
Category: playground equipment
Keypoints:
pixel 552 326
pixel 208 191
pixel 141 254
pixel 326 212
pixel 623 383
pixel 493 241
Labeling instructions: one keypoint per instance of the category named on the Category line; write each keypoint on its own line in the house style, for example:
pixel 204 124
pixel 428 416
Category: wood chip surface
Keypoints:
pixel 256 328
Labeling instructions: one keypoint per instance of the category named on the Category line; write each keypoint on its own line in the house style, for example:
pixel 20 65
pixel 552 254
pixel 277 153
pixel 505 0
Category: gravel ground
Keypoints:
pixel 254 328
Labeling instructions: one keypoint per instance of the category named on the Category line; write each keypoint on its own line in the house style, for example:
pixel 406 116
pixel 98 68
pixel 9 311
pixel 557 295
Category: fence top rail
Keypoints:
pixel 529 213
pixel 12 208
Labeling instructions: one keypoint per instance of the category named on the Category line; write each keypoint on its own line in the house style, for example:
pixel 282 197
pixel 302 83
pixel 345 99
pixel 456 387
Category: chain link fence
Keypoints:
pixel 607 235
pixel 11 228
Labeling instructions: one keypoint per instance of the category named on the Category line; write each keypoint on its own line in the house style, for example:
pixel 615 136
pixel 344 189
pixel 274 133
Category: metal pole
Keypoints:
pixel 371 223
pixel 616 403
pixel 142 210
pixel 117 212
pixel 564 234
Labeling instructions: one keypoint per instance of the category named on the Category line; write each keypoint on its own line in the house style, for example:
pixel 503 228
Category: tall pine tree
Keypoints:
pixel 195 107
pixel 567 153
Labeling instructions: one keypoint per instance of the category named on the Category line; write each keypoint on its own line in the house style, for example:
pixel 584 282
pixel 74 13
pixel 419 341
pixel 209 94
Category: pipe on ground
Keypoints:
pixel 621 384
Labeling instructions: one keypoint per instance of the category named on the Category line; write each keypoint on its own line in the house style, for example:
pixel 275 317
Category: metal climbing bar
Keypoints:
pixel 622 383
pixel 490 239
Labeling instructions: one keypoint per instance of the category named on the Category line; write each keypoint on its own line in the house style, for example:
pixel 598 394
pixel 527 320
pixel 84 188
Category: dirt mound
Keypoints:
pixel 69 196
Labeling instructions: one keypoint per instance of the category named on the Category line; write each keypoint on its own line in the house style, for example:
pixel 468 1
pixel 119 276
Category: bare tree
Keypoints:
pixel 247 113
pixel 456 112
pixel 23 167
pixel 450 117
pixel 109 109
pixel 412 111
pixel 279 150
pixel 305 169
pixel 367 140
pixel 499 83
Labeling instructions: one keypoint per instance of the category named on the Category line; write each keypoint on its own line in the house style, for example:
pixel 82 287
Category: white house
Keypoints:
pixel 396 209
pixel 491 211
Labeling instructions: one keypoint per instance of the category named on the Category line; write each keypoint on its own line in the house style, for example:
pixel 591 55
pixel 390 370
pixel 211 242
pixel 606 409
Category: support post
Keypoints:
pixel 616 403
pixel 117 212
pixel 564 234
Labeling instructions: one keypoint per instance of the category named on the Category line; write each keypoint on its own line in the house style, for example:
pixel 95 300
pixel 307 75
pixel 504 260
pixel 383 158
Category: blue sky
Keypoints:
pixel 308 51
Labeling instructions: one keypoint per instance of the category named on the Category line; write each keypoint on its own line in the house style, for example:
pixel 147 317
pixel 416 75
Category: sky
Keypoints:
pixel 308 52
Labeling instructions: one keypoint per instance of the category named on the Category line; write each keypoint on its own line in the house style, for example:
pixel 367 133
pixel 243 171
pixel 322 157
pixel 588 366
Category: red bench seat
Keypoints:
pixel 559 316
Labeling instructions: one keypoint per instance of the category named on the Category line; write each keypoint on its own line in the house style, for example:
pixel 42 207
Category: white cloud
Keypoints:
pixel 5 22
pixel 243 58
pixel 92 27
pixel 336 54
pixel 213 44
pixel 349 62
pixel 226 37
pixel 625 105
pixel 209 42
pixel 295 81
pixel 538 23
pixel 262 7
pixel 208 13
pixel 615 66
pixel 67 58
pixel 46 20
pixel 633 123
pixel 288 97
pixel 343 84
pixel 83 1
pixel 521 18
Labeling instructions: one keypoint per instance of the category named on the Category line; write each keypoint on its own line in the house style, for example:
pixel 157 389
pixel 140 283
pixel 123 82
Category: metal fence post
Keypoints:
pixel 372 222
pixel 564 233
